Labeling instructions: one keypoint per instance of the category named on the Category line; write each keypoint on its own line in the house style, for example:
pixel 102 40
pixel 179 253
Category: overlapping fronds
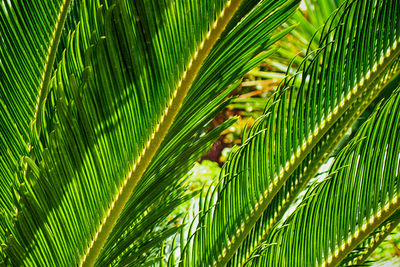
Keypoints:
pixel 25 68
pixel 358 55
pixel 360 193
pixel 125 113
pixel 294 46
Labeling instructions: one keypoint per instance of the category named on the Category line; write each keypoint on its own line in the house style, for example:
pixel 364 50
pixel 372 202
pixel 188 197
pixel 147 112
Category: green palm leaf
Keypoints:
pixel 26 62
pixel 361 253
pixel 358 56
pixel 122 121
pixel 104 105
pixel 361 195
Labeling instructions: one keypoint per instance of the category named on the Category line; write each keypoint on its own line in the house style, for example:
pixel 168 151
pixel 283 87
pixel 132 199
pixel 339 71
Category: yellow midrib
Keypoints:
pixel 159 133
pixel 48 67
pixel 307 145
pixel 376 240
pixel 47 71
pixel 362 232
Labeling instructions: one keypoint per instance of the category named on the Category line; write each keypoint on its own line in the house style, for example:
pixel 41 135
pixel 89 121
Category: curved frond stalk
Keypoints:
pixel 206 258
pixel 29 40
pixel 48 66
pixel 349 191
pixel 363 251
pixel 326 146
pixel 108 94
pixel 159 133
pixel 348 112
pixel 365 230
pixel 29 35
pixel 302 127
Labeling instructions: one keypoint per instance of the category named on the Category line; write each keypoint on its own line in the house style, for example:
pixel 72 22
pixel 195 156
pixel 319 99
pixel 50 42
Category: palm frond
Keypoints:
pixel 311 235
pixel 361 253
pixel 299 130
pixel 29 36
pixel 133 90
